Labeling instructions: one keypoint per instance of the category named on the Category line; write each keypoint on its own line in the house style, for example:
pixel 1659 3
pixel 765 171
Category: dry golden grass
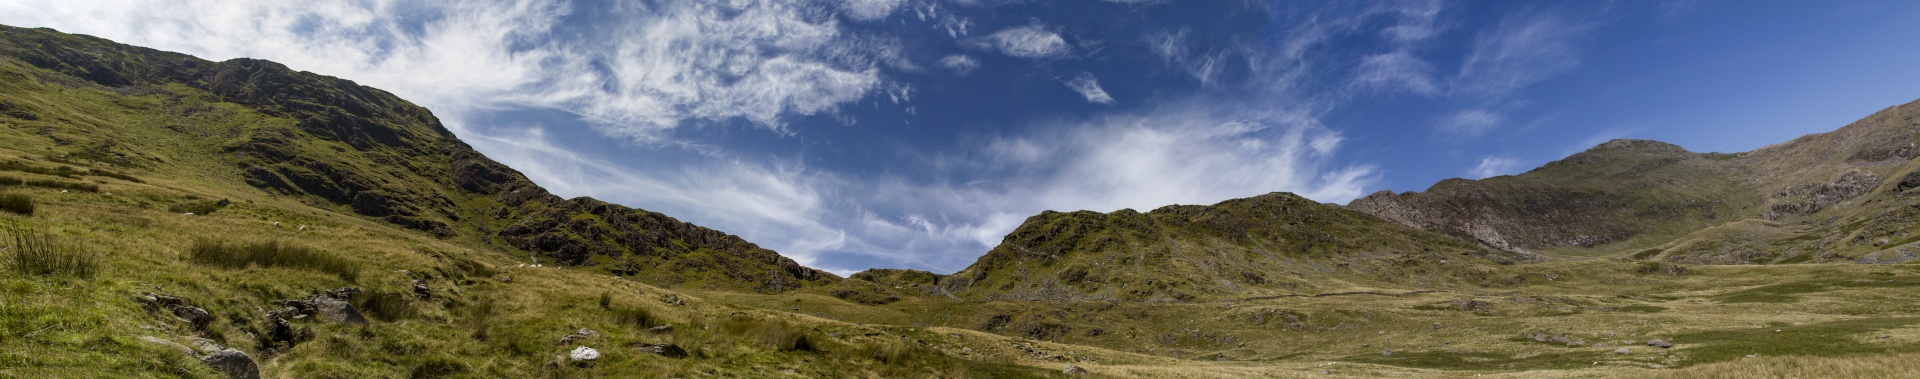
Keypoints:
pixel 1860 367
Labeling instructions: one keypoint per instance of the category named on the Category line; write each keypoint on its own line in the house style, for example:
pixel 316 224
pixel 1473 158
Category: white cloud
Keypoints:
pixel 1089 87
pixel 1398 70
pixel 1491 166
pixel 671 63
pixel 959 64
pixel 867 10
pixel 1522 50
pixel 1028 42
pixel 1470 123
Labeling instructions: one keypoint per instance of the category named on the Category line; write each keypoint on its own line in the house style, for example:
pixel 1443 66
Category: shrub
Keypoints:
pixel 268 254
pixel 35 252
pixel 16 203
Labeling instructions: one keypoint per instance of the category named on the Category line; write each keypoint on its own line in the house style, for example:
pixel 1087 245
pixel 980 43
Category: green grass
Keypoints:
pixel 1827 339
pixel 16 203
pixel 34 252
pixel 213 252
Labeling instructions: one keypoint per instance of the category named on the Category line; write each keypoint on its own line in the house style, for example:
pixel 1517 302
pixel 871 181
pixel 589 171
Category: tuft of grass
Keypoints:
pixel 200 207
pixel 34 252
pixel 636 316
pixel 16 203
pixel 386 306
pixel 776 335
pixel 212 252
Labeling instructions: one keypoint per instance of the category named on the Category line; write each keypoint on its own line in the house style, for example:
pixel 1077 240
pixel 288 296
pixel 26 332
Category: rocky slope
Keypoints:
pixel 358 150
pixel 1266 245
pixel 1822 197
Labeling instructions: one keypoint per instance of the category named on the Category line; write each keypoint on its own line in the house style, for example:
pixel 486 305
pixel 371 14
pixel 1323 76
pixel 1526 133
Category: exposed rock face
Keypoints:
pixel 236 364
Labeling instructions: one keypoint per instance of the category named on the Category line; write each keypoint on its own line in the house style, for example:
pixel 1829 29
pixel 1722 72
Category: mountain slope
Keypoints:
pixel 1271 244
pixel 353 149
pixel 1820 197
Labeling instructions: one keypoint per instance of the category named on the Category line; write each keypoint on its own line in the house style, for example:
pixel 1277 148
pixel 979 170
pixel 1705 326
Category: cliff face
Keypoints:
pixel 363 151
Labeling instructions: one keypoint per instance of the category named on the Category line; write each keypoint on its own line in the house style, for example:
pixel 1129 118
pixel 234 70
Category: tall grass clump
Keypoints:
pixel 771 334
pixel 213 252
pixel 34 252
pixel 16 203
pixel 386 306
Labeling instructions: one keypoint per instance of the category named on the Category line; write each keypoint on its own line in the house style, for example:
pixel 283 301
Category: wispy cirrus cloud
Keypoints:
pixel 1491 166
pixel 1470 123
pixel 1398 70
pixel 1520 51
pixel 1089 87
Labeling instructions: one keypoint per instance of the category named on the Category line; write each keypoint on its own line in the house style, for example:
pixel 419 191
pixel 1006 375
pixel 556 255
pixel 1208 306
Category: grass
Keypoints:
pixel 199 207
pixel 1889 366
pixel 34 252
pixel 16 203
pixel 213 252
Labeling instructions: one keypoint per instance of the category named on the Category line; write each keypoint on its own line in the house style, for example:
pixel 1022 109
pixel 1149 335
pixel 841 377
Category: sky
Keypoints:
pixel 853 134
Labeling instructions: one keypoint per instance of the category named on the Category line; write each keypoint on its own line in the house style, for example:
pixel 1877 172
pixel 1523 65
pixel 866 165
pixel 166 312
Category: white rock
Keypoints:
pixel 584 353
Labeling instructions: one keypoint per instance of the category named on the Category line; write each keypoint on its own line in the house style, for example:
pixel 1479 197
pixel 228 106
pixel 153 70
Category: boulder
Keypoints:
pixel 1070 369
pixel 663 349
pixel 421 290
pixel 583 353
pixel 337 310
pixel 1623 351
pixel 1660 344
pixel 582 334
pixel 235 364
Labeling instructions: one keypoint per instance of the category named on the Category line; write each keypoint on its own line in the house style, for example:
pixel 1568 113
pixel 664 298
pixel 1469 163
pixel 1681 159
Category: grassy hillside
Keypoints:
pixel 1266 245
pixel 1837 196
pixel 242 127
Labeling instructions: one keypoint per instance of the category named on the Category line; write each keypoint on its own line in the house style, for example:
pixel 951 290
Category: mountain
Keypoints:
pixel 1840 195
pixel 344 147
pixel 1266 245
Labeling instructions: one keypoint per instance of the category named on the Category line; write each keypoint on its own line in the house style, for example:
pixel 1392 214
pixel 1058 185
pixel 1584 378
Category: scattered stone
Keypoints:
pixel 169 344
pixel 1660 344
pixel 1070 369
pixel 421 290
pixel 581 334
pixel 1472 305
pixel 583 353
pixel 235 364
pixel 1623 351
pixel 1386 352
pixel 672 299
pixel 663 329
pixel 663 349
pixel 331 306
pixel 205 346
pixel 197 317
pixel 337 310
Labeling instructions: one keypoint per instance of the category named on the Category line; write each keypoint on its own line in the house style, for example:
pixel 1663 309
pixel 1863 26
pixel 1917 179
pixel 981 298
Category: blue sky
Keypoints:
pixel 914 133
